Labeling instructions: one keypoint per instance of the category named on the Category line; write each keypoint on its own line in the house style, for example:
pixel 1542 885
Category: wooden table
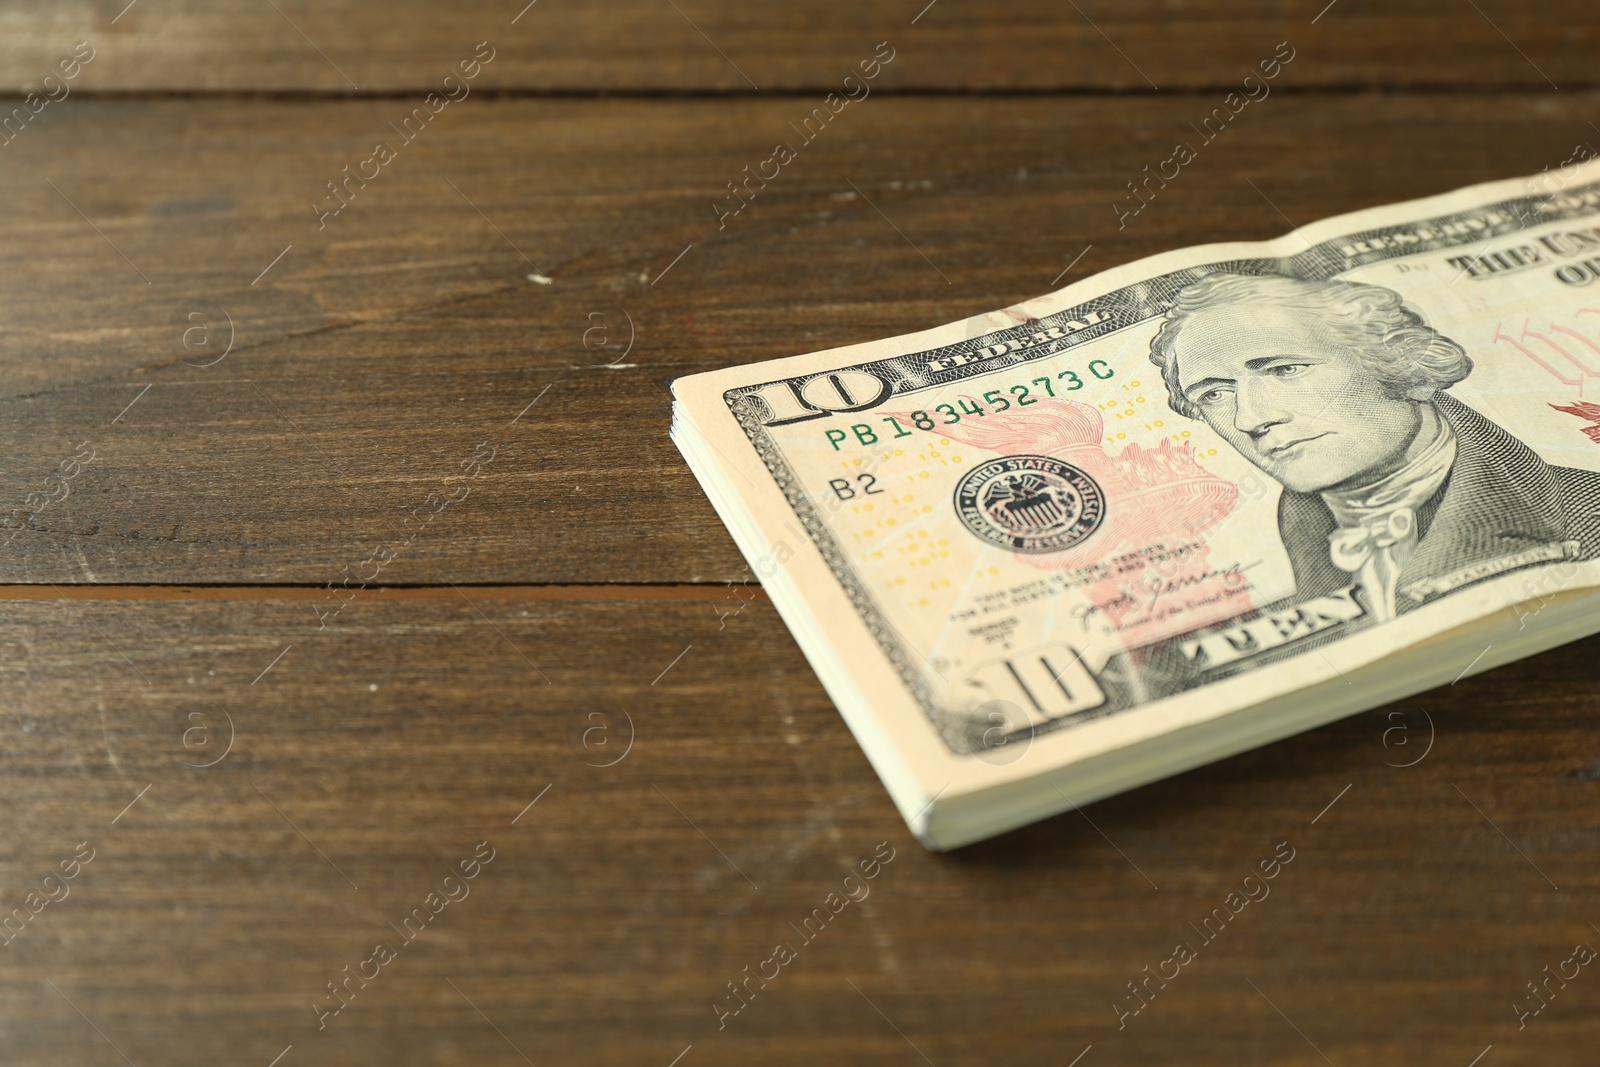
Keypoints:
pixel 383 563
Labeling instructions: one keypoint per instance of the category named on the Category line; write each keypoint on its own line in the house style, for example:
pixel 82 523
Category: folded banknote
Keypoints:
pixel 1184 507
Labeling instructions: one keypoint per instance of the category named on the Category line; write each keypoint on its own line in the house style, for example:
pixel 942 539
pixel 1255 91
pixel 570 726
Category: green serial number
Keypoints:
pixel 997 399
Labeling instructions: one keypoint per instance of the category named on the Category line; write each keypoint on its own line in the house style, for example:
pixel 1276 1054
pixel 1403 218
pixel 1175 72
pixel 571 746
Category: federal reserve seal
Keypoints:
pixel 1030 503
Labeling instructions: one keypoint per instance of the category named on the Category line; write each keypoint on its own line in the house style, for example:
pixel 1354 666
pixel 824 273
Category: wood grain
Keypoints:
pixel 721 46
pixel 379 351
pixel 409 731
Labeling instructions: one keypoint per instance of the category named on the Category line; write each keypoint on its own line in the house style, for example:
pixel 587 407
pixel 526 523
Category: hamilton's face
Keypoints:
pixel 1292 397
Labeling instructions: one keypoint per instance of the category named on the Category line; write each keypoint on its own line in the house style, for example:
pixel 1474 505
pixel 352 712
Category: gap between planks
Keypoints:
pixel 1196 89
pixel 681 591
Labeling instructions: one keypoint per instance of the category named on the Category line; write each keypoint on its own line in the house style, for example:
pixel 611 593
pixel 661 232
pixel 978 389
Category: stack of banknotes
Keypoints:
pixel 1184 507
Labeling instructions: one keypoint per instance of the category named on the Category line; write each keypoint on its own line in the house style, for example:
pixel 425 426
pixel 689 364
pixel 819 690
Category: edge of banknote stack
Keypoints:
pixel 951 797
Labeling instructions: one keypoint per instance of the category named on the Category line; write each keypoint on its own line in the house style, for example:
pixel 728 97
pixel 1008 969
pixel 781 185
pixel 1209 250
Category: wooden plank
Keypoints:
pixel 377 353
pixel 648 45
pixel 370 758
